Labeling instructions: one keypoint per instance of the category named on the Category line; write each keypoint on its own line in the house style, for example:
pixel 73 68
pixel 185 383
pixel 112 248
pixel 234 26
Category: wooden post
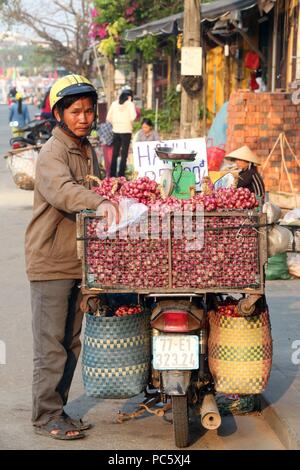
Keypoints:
pixel 110 77
pixel 274 48
pixel 296 74
pixel 204 90
pixel 189 118
pixel 149 102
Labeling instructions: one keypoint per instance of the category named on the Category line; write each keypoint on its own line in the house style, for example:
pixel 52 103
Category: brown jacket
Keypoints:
pixel 50 241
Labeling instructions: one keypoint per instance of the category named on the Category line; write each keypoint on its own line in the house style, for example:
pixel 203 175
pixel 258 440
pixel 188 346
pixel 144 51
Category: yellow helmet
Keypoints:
pixel 70 85
pixel 18 96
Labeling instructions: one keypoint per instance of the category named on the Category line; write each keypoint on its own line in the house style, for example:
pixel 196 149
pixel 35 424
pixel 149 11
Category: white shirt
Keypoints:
pixel 121 116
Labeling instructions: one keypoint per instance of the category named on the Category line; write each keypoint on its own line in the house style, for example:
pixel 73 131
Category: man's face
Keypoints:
pixel 79 116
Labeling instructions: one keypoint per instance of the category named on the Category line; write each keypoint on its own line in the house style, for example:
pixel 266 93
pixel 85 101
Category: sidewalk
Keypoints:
pixel 281 400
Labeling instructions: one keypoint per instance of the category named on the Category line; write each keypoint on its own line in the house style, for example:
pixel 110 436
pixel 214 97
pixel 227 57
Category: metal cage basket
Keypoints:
pixel 223 263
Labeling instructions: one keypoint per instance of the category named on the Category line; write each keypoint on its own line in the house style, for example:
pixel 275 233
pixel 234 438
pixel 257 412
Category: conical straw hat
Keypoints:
pixel 244 153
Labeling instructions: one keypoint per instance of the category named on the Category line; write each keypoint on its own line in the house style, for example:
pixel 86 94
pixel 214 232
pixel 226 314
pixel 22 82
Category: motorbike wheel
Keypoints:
pixel 180 420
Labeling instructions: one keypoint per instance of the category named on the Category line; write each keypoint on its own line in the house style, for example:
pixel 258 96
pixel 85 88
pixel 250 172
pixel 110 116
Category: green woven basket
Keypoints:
pixel 116 355
pixel 240 353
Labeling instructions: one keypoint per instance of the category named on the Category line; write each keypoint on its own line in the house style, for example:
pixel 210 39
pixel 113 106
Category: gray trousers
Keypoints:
pixel 56 326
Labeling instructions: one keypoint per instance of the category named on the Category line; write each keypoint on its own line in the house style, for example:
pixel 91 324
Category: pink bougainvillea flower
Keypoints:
pixel 98 31
pixel 129 11
pixel 94 12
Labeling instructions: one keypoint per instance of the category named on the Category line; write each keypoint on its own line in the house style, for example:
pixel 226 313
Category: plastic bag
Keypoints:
pixel 131 212
pixel 273 212
pixel 277 268
pixel 294 265
pixel 292 217
pixel 279 239
pixel 215 157
pixel 227 181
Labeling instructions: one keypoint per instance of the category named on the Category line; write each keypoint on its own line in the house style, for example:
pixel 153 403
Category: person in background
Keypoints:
pixel 146 133
pixel 121 115
pixel 248 177
pixel 45 106
pixel 12 95
pixel 19 115
pixel 260 81
pixel 52 263
pixel 106 140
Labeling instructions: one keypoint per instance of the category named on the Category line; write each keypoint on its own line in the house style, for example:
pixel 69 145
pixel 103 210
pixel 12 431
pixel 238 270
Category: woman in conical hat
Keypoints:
pixel 246 161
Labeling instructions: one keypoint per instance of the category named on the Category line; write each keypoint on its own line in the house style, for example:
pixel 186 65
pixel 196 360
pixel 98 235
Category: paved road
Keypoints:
pixel 150 432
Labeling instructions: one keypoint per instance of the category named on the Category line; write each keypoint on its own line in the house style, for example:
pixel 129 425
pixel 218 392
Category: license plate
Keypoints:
pixel 175 352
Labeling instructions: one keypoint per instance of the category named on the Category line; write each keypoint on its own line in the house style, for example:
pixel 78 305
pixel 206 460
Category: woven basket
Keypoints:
pixel 240 353
pixel 116 355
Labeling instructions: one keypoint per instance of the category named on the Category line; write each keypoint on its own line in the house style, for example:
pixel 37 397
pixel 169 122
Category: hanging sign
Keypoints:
pixel 191 61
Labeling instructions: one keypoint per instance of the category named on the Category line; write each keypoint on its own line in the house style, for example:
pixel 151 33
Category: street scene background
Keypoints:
pixel 243 89
pixel 149 432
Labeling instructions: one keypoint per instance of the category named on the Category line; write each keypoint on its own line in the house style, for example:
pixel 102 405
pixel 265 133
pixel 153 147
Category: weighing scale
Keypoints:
pixel 176 181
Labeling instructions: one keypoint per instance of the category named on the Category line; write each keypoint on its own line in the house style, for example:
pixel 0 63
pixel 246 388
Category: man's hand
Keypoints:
pixel 110 211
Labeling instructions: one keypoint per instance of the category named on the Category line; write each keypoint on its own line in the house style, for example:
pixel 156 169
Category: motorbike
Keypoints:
pixel 179 363
pixel 36 132
pixel 180 370
pixel 180 378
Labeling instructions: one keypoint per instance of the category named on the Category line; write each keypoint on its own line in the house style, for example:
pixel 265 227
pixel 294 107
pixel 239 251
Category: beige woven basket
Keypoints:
pixel 240 352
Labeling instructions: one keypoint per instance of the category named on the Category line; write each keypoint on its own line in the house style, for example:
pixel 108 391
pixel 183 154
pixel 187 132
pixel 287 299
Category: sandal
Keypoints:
pixel 59 424
pixel 78 423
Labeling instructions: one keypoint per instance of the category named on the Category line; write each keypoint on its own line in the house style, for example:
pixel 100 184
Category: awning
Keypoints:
pixel 170 24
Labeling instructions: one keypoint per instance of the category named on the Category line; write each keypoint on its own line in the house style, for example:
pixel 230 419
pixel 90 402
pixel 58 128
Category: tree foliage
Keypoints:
pixel 61 24
pixel 114 16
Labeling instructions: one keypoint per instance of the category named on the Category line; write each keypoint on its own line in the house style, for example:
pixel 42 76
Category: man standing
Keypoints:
pixel 52 265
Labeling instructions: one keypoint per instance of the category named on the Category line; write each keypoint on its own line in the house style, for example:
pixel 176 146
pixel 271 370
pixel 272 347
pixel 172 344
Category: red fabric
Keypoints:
pixel 107 154
pixel 252 60
pixel 46 108
pixel 138 113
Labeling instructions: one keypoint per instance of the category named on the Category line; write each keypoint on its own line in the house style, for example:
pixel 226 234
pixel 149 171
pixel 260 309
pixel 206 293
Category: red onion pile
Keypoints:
pixel 125 310
pixel 142 189
pixel 130 263
pixel 228 308
pixel 228 258
pixel 147 191
pixel 110 187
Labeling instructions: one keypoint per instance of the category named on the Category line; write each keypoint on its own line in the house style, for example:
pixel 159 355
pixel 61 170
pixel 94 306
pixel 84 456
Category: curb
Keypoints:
pixel 280 426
